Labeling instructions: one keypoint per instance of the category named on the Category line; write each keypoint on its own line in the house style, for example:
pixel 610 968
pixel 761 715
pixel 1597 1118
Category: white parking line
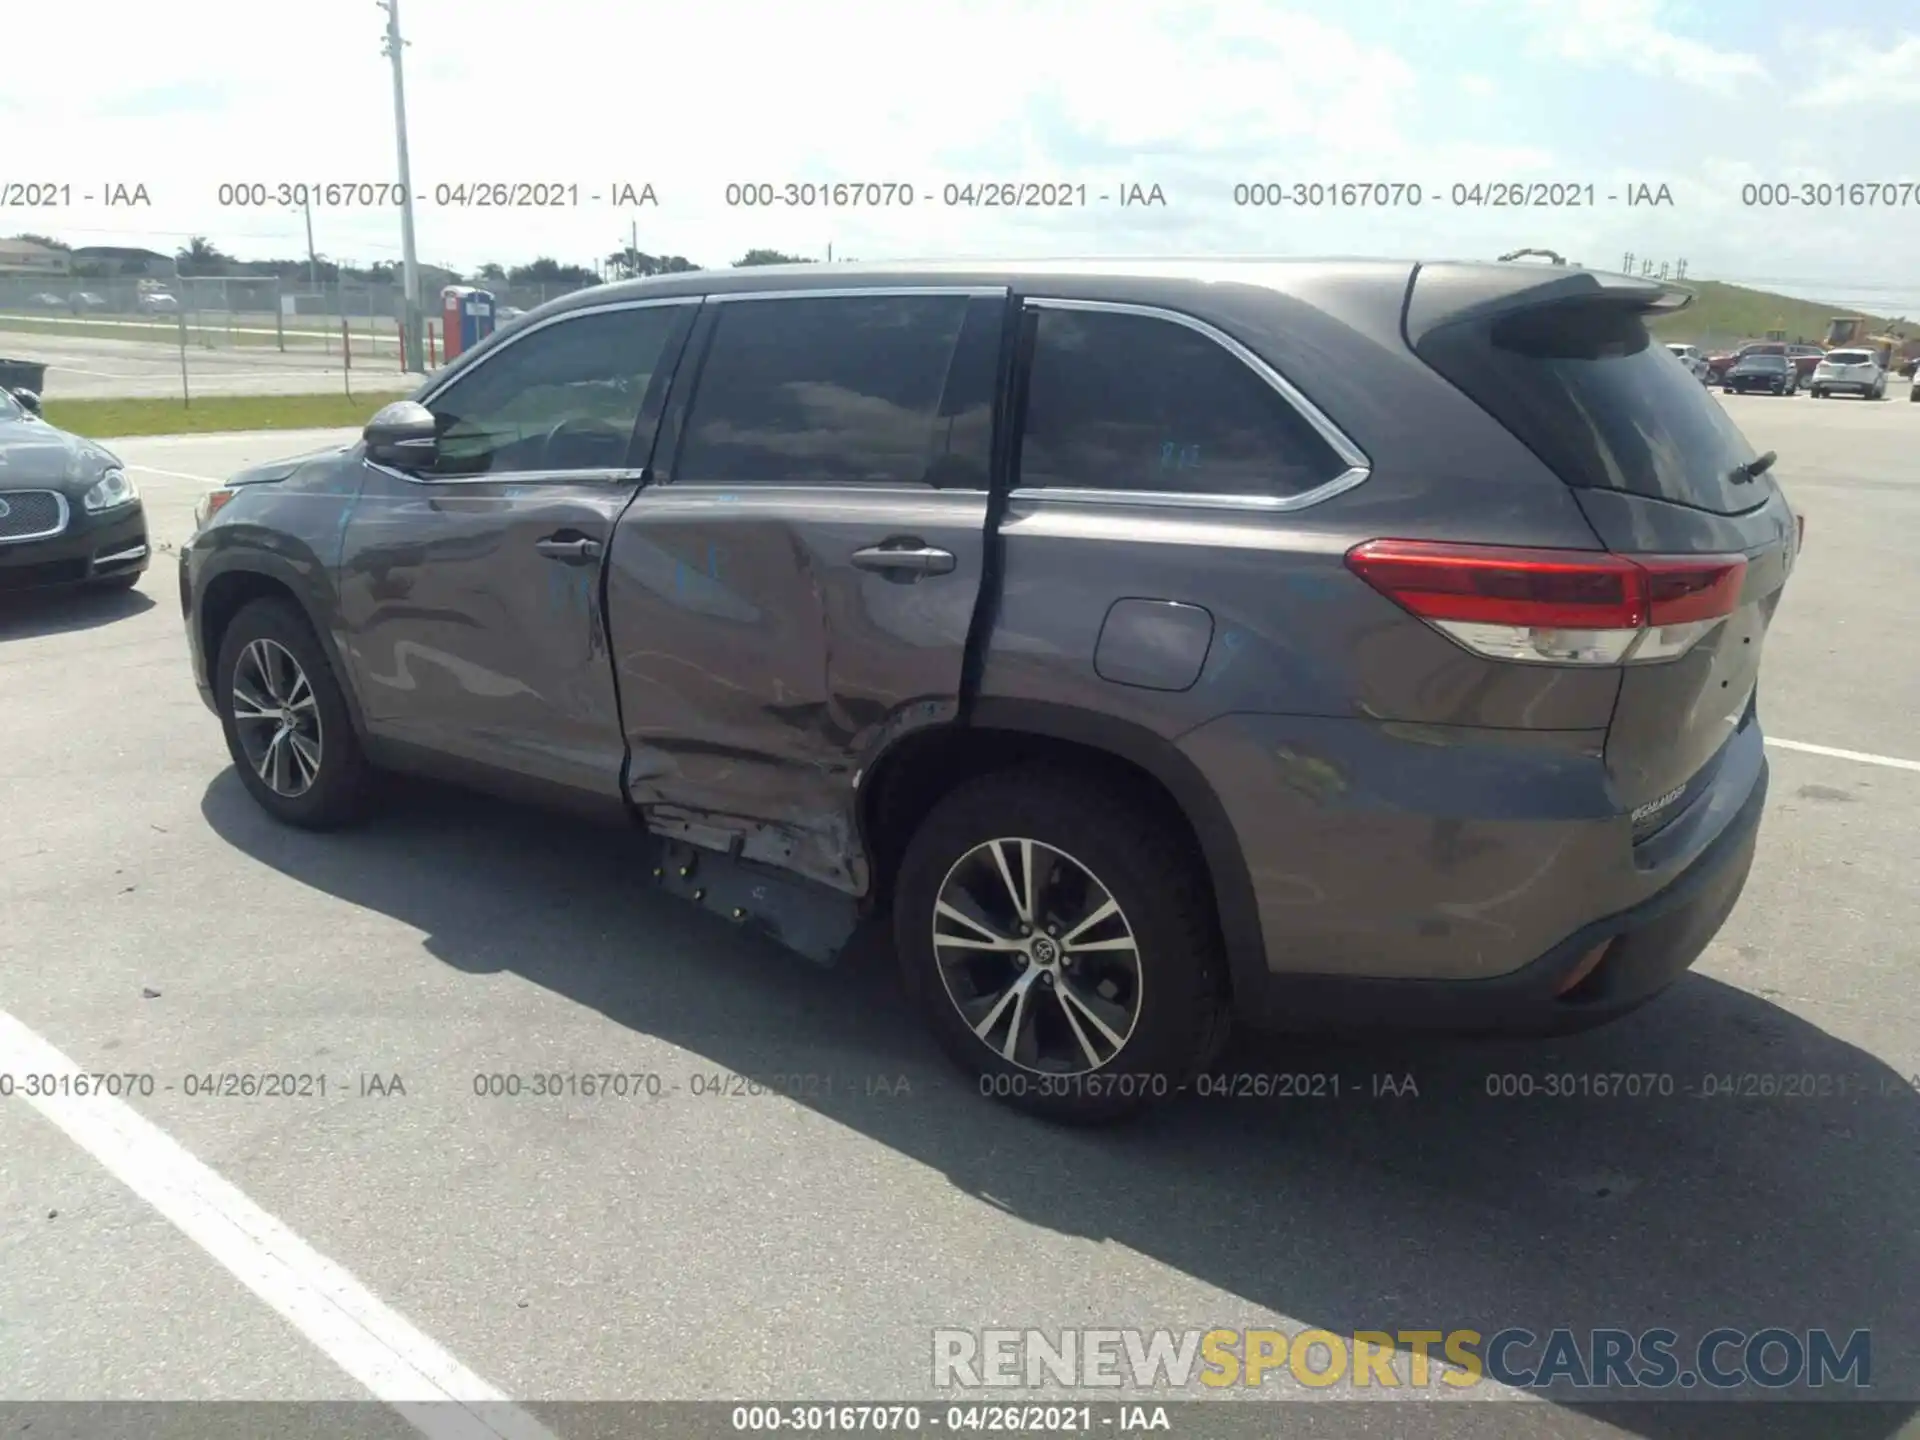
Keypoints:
pixel 1893 762
pixel 375 1345
pixel 173 474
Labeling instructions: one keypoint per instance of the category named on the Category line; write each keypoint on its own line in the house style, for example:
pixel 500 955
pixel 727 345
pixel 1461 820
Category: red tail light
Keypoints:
pixel 1582 607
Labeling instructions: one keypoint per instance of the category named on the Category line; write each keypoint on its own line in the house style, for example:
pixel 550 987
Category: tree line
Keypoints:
pixel 201 257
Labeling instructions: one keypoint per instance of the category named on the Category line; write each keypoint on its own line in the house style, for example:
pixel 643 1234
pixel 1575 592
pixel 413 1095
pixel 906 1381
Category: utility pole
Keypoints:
pixel 415 360
pixel 313 260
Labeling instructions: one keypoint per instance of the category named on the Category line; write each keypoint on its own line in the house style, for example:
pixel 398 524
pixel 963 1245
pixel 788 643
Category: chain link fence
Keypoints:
pixel 233 311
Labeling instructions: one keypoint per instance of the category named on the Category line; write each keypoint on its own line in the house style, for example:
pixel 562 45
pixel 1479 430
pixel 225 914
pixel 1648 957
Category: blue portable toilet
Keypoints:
pixel 466 315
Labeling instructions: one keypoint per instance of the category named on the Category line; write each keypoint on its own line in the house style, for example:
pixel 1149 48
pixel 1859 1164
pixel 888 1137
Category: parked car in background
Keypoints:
pixel 1849 372
pixel 69 516
pixel 961 645
pixel 1718 364
pixel 1768 373
pixel 1690 356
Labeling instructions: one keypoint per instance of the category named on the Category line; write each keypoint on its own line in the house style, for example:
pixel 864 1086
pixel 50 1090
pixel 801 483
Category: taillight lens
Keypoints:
pixel 210 505
pixel 1556 607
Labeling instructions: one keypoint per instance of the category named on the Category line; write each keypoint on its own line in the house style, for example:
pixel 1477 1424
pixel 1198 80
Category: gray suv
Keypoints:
pixel 1314 644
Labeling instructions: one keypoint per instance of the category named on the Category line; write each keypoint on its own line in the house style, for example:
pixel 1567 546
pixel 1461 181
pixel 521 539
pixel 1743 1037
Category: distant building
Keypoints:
pixel 123 260
pixel 28 257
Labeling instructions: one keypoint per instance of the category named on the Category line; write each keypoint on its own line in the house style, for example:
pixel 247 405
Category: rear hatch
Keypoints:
pixel 1659 470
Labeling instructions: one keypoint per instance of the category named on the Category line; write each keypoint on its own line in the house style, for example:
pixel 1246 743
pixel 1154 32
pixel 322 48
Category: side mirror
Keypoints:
pixel 27 398
pixel 403 435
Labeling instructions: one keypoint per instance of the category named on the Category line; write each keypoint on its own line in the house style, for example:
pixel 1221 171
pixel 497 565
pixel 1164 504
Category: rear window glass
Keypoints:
pixel 1584 387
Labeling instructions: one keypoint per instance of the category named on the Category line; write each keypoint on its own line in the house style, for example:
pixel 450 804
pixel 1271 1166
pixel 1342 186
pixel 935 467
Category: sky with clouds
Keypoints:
pixel 1194 96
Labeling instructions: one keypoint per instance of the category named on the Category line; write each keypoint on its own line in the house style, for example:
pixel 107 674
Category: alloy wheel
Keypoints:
pixel 277 718
pixel 1038 957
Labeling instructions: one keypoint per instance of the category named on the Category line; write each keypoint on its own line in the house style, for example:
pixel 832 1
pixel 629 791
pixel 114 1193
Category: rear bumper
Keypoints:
pixel 1647 948
pixel 90 548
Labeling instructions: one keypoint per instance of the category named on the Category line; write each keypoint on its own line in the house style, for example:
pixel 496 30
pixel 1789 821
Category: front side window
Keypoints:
pixel 827 391
pixel 564 397
pixel 1120 401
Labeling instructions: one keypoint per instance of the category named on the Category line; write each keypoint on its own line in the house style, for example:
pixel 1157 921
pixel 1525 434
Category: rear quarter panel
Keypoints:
pixel 1403 806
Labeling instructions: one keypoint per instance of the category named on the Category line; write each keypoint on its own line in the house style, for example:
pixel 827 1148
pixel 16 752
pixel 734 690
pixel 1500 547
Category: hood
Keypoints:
pixel 34 454
pixel 270 471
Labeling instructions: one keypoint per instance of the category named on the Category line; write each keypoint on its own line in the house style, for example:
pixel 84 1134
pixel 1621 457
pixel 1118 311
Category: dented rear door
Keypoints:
pixel 795 590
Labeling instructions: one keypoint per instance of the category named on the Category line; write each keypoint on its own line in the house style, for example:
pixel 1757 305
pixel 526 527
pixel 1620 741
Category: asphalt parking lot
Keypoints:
pixel 806 1244
pixel 88 367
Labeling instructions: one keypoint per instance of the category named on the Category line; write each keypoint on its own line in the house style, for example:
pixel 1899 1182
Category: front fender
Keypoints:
pixel 242 558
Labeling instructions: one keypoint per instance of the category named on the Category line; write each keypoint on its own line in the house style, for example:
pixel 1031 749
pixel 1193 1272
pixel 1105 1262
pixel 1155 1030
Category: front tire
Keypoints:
pixel 286 720
pixel 1062 951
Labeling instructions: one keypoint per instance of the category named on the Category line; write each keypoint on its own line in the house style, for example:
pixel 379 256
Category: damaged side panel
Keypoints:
pixel 766 641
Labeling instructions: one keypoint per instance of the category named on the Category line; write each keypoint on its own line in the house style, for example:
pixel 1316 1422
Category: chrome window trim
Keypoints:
pixel 621 475
pixel 860 292
pixel 1359 467
pixel 61 507
pixel 519 333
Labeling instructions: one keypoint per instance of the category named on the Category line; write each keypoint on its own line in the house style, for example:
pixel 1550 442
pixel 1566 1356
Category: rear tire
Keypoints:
pixel 1042 1012
pixel 292 737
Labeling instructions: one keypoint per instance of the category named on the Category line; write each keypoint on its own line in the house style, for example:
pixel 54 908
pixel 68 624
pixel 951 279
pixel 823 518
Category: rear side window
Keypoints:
pixel 1131 402
pixel 842 390
pixel 1585 387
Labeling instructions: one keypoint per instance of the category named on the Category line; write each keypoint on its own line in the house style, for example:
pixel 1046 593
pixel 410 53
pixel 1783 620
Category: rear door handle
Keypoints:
pixel 910 559
pixel 571 551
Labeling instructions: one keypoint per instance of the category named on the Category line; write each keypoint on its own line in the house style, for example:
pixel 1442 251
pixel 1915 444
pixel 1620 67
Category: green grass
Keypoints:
pixel 215 412
pixel 1731 312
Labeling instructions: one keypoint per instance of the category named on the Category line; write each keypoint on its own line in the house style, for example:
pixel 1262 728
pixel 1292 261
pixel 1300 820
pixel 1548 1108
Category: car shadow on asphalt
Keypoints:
pixel 25 616
pixel 1420 1198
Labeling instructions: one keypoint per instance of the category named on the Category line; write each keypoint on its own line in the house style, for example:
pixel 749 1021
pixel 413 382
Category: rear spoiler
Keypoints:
pixel 1449 293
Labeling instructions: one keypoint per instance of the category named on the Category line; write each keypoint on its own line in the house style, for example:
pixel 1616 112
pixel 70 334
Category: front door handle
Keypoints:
pixel 908 559
pixel 572 551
